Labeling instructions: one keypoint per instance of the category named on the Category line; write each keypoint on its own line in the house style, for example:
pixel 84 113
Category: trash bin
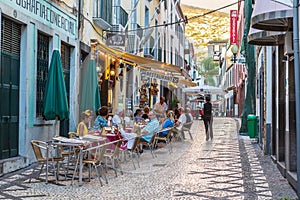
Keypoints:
pixel 252 125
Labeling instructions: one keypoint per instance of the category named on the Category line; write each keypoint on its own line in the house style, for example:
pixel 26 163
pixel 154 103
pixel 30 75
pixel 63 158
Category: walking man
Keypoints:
pixel 207 110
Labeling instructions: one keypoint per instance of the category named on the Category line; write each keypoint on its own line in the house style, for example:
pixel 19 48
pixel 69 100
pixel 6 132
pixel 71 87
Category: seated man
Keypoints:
pixel 117 121
pixel 151 128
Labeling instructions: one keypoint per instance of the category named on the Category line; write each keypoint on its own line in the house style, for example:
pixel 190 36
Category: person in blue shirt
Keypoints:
pixel 151 128
pixel 101 119
pixel 169 122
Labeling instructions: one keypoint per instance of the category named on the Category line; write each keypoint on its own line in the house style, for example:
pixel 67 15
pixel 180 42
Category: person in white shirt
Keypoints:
pixel 188 112
pixel 182 120
pixel 117 121
pixel 161 107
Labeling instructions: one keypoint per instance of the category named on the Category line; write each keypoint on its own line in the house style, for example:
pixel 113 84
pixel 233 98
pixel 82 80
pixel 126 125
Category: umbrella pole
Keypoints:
pixel 56 126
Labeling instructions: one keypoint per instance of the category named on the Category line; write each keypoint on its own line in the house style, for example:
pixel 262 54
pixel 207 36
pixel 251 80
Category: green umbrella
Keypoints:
pixel 90 99
pixel 55 104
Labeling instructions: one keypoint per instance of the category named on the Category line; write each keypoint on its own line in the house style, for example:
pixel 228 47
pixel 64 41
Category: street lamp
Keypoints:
pixel 234 50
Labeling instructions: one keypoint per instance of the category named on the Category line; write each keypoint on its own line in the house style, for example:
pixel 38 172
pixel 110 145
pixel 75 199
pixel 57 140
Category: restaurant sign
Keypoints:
pixel 160 76
pixel 233 26
pixel 115 40
pixel 46 13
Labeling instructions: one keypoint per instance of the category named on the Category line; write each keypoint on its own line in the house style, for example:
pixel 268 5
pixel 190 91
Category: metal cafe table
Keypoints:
pixel 80 144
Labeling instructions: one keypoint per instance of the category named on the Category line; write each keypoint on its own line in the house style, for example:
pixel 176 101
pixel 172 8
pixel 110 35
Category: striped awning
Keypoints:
pixel 265 38
pixel 271 16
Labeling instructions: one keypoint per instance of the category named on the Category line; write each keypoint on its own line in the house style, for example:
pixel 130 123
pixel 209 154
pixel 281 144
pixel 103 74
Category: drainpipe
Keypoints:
pixel 297 84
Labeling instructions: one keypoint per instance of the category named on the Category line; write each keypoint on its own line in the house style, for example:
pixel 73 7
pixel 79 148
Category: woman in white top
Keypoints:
pixel 117 121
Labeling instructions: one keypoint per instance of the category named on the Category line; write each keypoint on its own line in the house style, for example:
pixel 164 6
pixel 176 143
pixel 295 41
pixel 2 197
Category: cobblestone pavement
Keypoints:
pixel 228 167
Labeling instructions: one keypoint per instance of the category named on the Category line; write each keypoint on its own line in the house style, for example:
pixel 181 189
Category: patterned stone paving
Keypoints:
pixel 229 167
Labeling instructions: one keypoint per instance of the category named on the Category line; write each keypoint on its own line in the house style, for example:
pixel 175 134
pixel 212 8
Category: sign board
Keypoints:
pixel 115 40
pixel 160 76
pixel 233 26
pixel 48 14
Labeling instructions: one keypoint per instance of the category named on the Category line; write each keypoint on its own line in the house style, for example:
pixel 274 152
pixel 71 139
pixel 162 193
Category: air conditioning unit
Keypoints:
pixel 133 43
pixel 289 45
pixel 117 28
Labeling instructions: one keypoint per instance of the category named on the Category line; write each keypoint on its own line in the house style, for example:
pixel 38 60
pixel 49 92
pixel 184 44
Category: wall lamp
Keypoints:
pixel 234 50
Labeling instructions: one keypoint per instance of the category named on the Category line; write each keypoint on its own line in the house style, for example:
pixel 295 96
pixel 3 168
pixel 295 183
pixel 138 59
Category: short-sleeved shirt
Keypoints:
pixel 167 124
pixel 99 123
pixel 151 127
pixel 160 108
pixel 182 120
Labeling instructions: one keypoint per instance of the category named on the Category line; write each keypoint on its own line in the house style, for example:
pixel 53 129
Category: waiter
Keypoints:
pixel 161 107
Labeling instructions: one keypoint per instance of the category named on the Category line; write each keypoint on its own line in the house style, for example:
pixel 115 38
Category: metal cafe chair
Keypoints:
pixel 166 139
pixel 44 155
pixel 150 144
pixel 94 159
pixel 187 127
pixel 114 157
pixel 134 150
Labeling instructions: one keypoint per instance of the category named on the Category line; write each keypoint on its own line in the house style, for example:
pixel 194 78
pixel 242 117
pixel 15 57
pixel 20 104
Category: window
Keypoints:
pixel 42 71
pixel 104 10
pixel 65 51
pixel 65 60
pixel 123 17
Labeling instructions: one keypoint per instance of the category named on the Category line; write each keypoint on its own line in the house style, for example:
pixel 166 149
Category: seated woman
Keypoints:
pixel 82 128
pixel 169 122
pixel 138 116
pixel 117 121
pixel 146 112
pixel 101 119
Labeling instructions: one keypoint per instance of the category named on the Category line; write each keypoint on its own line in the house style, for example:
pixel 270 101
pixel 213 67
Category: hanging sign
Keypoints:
pixel 233 26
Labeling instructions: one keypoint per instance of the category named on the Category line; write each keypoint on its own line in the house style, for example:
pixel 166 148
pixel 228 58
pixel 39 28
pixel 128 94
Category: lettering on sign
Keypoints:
pixel 160 76
pixel 42 10
pixel 233 26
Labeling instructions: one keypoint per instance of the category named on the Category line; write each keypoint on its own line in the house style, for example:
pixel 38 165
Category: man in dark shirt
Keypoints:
pixel 207 109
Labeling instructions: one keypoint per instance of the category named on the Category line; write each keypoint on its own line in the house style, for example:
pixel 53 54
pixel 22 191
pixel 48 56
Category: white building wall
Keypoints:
pixel 31 127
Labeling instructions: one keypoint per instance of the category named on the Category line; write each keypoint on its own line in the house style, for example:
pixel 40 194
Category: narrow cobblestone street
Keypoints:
pixel 229 167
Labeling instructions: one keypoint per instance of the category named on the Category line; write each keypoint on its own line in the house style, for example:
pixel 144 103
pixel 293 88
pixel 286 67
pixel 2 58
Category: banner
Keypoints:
pixel 233 26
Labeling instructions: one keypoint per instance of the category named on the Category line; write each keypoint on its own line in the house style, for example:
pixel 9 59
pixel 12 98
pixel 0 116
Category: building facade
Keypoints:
pixel 131 43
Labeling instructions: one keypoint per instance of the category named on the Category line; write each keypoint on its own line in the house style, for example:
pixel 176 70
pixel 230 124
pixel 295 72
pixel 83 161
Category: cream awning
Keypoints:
pixel 271 16
pixel 187 82
pixel 144 63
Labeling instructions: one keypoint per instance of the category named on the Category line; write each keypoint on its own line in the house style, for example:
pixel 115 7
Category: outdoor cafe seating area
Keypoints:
pixel 76 160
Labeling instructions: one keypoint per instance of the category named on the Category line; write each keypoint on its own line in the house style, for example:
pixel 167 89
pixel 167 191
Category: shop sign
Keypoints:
pixel 160 76
pixel 233 26
pixel 115 40
pixel 46 13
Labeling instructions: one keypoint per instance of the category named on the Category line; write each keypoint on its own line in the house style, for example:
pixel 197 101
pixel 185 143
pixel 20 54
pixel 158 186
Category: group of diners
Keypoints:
pixel 150 121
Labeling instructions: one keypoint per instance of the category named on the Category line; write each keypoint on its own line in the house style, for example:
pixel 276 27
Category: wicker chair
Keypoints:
pixel 187 127
pixel 150 144
pixel 134 150
pixel 41 149
pixel 166 139
pixel 114 158
pixel 95 156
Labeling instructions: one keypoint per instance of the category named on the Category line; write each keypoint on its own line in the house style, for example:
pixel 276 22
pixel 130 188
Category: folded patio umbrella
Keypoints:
pixel 90 99
pixel 55 104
